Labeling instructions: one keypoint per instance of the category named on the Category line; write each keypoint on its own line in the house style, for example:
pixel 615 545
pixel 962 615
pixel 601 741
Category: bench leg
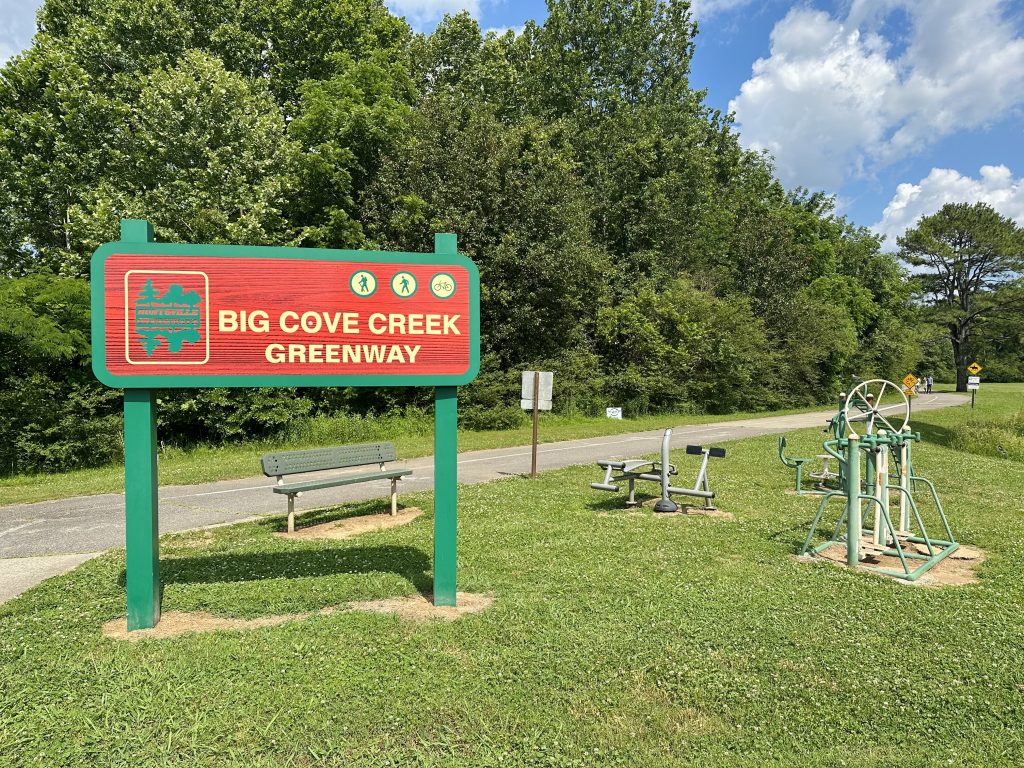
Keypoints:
pixel 394 496
pixel 291 513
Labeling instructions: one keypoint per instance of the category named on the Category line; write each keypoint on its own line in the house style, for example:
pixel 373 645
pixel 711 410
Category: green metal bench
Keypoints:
pixel 286 463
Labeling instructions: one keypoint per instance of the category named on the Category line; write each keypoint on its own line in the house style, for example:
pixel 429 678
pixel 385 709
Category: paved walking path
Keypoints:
pixel 50 537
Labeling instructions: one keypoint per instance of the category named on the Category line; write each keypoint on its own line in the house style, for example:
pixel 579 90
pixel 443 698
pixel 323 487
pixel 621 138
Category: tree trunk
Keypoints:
pixel 960 358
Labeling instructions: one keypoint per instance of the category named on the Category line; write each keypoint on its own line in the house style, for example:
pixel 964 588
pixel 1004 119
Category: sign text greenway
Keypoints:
pixel 168 315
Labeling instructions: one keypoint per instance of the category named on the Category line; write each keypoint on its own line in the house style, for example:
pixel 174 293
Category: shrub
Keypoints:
pixel 479 418
pixel 986 436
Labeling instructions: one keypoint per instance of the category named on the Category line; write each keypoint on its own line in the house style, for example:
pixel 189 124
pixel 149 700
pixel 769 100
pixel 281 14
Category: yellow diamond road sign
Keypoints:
pixel 974 369
pixel 909 381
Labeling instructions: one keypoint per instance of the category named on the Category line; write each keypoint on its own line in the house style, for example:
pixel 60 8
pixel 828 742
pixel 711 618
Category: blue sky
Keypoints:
pixel 893 106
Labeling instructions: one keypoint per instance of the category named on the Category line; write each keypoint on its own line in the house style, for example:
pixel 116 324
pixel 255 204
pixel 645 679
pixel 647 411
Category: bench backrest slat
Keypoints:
pixel 317 459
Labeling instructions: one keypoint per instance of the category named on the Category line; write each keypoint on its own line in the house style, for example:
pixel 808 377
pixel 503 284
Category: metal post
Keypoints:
pixel 665 504
pixel 446 436
pixel 445 493
pixel 881 491
pixel 972 399
pixel 536 408
pixel 853 520
pixel 141 504
pixel 142 546
pixel 903 452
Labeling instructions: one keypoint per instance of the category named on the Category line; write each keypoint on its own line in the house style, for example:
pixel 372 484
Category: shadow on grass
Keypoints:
pixel 320 515
pixel 616 502
pixel 933 433
pixel 408 562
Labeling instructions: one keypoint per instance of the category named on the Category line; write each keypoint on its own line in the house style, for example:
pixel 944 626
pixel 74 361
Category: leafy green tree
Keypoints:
pixel 625 238
pixel 346 128
pixel 181 111
pixel 998 338
pixel 514 196
pixel 54 414
pixel 683 345
pixel 968 257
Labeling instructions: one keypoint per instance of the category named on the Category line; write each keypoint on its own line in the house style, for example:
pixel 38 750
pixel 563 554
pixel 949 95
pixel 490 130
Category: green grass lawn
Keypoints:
pixel 413 437
pixel 615 640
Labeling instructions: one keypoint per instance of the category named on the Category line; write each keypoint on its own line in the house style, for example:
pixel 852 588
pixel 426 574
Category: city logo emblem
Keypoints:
pixel 166 318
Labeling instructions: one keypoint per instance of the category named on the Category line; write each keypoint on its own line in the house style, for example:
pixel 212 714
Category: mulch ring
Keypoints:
pixel 348 527
pixel 410 607
pixel 957 569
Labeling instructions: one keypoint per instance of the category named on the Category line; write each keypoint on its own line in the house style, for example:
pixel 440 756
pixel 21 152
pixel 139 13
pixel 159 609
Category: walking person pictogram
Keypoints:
pixel 363 283
pixel 403 284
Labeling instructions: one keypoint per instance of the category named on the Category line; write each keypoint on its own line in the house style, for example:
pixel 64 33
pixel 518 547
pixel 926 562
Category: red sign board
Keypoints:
pixel 174 316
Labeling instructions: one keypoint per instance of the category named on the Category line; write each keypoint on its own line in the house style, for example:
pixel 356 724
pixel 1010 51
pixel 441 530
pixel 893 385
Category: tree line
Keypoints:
pixel 625 239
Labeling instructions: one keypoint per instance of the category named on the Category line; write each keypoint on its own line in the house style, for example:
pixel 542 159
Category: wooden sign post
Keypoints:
pixel 536 396
pixel 169 315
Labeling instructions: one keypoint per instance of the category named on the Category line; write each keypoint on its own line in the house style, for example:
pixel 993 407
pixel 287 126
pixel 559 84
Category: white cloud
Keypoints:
pixel 996 186
pixel 17 26
pixel 499 31
pixel 705 9
pixel 426 13
pixel 832 101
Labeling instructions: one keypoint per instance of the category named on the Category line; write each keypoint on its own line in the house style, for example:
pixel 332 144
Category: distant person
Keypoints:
pixel 928 383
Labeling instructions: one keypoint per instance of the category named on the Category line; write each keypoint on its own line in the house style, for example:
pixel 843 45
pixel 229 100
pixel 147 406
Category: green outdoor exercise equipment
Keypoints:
pixel 661 472
pixel 824 476
pixel 881 517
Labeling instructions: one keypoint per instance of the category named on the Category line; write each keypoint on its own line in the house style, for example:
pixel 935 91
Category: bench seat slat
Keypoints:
pixel 330 482
pixel 318 459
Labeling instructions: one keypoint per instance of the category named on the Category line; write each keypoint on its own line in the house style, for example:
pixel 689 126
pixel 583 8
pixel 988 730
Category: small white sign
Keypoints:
pixel 613 413
pixel 543 395
pixel 973 386
pixel 974 379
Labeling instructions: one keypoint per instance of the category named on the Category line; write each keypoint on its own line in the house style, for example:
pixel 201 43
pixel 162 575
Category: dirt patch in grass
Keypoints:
pixel 350 527
pixel 177 623
pixel 697 512
pixel 646 509
pixel 420 607
pixel 412 607
pixel 685 510
pixel 956 570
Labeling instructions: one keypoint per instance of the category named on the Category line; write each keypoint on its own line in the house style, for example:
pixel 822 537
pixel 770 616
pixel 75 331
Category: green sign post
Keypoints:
pixel 446 433
pixel 169 315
